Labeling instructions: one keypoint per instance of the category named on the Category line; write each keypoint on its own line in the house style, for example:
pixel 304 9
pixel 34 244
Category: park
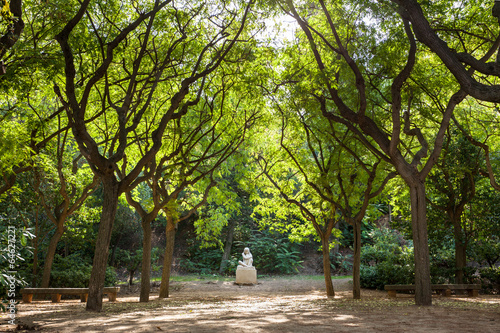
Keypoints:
pixel 249 165
pixel 275 305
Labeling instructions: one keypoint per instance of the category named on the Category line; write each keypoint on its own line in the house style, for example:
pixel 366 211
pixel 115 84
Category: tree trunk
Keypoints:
pixel 131 274
pixel 423 291
pixel 327 268
pixel 49 258
pixel 14 32
pixel 227 246
pixel 35 250
pixel 98 274
pixel 167 259
pixel 460 252
pixel 113 253
pixel 146 260
pixel 356 284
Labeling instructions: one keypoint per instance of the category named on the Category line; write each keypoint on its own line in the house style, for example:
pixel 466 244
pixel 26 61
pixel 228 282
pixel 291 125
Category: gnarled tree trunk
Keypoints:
pixel 356 284
pixel 49 258
pixel 423 291
pixel 460 252
pixel 98 274
pixel 330 292
pixel 146 259
pixel 167 259
pixel 227 246
pixel 35 249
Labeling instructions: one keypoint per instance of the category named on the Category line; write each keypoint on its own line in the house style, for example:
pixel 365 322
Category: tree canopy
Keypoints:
pixel 165 106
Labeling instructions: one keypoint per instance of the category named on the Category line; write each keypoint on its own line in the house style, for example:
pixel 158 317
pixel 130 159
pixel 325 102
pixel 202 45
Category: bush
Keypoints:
pixel 71 272
pixel 442 263
pixel 388 261
pixel 341 264
pixel 13 237
pixel 490 279
pixel 287 260
pixel 347 239
pixel 201 260
pixel 487 251
pixel 273 253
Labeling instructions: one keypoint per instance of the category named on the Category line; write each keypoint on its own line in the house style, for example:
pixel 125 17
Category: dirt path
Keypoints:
pixel 274 305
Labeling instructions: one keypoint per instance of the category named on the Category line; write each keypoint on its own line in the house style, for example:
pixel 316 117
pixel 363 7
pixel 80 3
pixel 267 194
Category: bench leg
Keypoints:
pixel 472 292
pixel 391 293
pixel 112 297
pixel 83 297
pixel 27 298
pixel 56 298
pixel 446 292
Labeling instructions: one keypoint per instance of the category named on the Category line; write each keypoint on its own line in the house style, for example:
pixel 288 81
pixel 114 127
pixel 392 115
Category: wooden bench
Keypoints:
pixel 57 292
pixel 443 289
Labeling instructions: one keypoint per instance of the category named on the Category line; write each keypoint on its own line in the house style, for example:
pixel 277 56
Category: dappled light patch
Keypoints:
pixel 263 310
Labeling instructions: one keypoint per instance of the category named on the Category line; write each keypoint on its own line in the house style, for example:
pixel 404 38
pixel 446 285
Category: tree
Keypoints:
pixel 233 200
pixel 200 143
pixel 72 190
pixel 460 63
pixel 321 159
pixel 375 112
pixel 131 82
pixel 478 27
pixel 452 186
pixel 11 27
pixel 29 111
pixel 323 217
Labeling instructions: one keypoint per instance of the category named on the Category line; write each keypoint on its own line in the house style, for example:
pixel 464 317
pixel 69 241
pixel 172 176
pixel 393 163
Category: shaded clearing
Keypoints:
pixel 275 305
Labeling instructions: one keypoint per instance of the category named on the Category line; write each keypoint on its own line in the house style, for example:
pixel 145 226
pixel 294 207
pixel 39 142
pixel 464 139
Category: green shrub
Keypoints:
pixel 201 260
pixel 71 272
pixel 442 264
pixel 389 260
pixel 486 251
pixel 287 260
pixel 273 253
pixel 347 239
pixel 490 279
pixel 341 264
pixel 16 238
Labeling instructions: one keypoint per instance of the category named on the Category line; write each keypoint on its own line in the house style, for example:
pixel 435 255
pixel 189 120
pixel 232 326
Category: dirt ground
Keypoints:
pixel 274 305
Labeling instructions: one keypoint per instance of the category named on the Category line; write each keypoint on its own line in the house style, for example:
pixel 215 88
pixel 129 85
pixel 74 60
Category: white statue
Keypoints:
pixel 247 258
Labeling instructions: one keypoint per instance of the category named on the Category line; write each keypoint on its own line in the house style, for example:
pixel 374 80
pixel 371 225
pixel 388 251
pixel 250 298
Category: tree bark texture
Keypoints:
pixel 98 274
pixel 356 284
pixel 35 249
pixel 146 260
pixel 131 277
pixel 167 259
pixel 460 252
pixel 49 258
pixel 12 36
pixel 227 246
pixel 330 292
pixel 423 291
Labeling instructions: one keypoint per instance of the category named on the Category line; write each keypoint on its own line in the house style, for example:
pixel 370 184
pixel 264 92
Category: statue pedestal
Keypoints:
pixel 246 275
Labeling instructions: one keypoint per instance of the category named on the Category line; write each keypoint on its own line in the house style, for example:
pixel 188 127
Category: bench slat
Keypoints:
pixel 433 286
pixel 56 293
pixel 67 291
pixel 444 289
